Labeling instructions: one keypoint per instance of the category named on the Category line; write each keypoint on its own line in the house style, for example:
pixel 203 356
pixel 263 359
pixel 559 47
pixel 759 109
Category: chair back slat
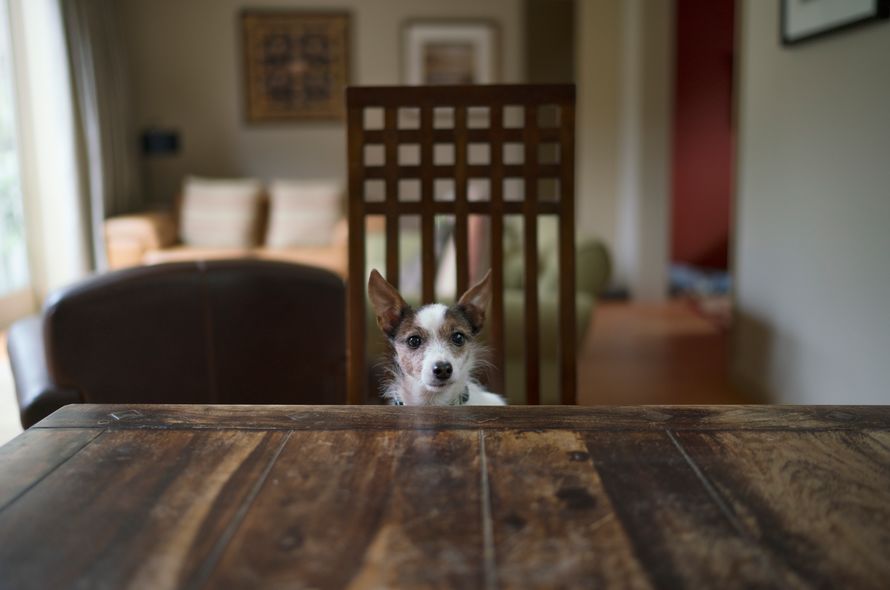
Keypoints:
pixel 427 216
pixel 461 181
pixel 568 369
pixel 355 292
pixel 464 205
pixel 391 178
pixel 530 253
pixel 496 228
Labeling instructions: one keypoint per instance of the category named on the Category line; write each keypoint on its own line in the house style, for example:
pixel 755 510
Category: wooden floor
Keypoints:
pixel 655 354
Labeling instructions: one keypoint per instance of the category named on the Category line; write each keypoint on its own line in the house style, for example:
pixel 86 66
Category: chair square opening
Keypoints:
pixel 374 155
pixel 548 153
pixel 549 116
pixel 479 154
pixel 409 118
pixel 514 153
pixel 443 189
pixel 443 154
pixel 443 118
pixel 409 154
pixel 373 118
pixel 409 190
pixel 375 190
pixel 514 116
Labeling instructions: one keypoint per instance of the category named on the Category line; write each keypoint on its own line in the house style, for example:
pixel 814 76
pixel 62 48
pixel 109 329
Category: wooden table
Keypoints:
pixel 371 497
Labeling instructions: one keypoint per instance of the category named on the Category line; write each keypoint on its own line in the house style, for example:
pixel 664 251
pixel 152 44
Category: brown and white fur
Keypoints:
pixel 435 348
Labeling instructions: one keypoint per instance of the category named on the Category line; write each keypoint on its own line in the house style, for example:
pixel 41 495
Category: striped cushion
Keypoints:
pixel 220 213
pixel 302 212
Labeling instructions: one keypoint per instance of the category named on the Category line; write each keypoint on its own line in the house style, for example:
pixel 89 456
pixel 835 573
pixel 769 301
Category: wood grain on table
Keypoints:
pixel 468 497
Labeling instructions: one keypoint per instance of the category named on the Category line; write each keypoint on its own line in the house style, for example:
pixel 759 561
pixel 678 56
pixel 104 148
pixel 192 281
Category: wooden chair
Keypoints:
pixel 534 133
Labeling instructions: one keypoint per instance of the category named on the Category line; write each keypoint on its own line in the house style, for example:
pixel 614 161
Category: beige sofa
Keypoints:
pixel 158 237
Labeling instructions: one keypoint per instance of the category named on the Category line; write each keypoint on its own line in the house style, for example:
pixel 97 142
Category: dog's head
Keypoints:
pixel 436 344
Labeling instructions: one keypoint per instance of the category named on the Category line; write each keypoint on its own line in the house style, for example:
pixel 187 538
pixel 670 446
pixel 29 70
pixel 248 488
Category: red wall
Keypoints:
pixel 703 137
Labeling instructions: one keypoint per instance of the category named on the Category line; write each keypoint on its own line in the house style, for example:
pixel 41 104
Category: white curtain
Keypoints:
pixel 56 210
pixel 98 67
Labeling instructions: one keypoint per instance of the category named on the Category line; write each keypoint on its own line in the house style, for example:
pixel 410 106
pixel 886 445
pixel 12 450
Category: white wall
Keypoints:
pixel 625 85
pixel 187 74
pixel 598 65
pixel 813 214
pixel 642 239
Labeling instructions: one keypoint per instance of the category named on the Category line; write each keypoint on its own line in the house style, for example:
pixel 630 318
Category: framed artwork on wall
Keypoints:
pixel 803 20
pixel 296 65
pixel 437 52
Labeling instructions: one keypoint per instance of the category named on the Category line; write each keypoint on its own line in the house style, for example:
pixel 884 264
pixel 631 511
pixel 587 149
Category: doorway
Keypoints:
pixel 703 151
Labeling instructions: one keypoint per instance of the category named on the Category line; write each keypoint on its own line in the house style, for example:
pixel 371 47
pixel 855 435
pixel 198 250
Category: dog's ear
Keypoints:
pixel 475 301
pixel 387 303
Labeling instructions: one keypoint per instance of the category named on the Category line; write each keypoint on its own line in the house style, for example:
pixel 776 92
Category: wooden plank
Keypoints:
pixel 392 509
pixel 201 496
pixel 554 524
pixel 34 454
pixel 817 501
pixel 110 517
pixel 681 535
pixel 472 171
pixel 606 418
pixel 474 135
pixel 462 95
pixel 473 207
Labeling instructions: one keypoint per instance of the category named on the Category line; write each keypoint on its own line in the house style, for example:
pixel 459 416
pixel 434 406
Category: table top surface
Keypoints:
pixel 469 497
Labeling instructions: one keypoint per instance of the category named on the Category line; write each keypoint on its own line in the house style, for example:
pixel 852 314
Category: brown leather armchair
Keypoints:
pixel 229 332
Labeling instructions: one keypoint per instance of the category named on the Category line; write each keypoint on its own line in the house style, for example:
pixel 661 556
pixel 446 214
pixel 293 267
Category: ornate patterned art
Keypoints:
pixel 296 65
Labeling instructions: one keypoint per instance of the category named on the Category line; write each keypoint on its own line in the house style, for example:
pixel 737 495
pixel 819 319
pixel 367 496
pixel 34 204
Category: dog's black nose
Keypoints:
pixel 442 371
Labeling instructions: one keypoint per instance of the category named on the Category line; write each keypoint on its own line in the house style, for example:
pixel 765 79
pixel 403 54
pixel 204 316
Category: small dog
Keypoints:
pixel 435 348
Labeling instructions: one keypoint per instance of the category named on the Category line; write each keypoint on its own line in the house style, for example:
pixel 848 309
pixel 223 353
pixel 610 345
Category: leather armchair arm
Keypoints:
pixel 38 396
pixel 129 237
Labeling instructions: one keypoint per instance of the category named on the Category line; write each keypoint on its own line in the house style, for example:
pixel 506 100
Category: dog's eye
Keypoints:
pixel 458 339
pixel 414 341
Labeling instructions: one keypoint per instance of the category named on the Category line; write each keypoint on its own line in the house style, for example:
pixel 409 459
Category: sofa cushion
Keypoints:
pixel 219 213
pixel 152 229
pixel 189 253
pixel 302 212
pixel 333 258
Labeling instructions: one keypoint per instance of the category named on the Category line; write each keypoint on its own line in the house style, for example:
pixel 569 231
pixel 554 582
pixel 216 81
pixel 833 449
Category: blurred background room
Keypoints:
pixel 732 197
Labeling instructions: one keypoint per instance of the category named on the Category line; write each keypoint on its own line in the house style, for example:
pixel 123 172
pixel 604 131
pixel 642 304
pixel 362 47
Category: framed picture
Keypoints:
pixel 296 65
pixel 450 52
pixel 802 20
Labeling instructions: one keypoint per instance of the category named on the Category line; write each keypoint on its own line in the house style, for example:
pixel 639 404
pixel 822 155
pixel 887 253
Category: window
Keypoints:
pixel 13 255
